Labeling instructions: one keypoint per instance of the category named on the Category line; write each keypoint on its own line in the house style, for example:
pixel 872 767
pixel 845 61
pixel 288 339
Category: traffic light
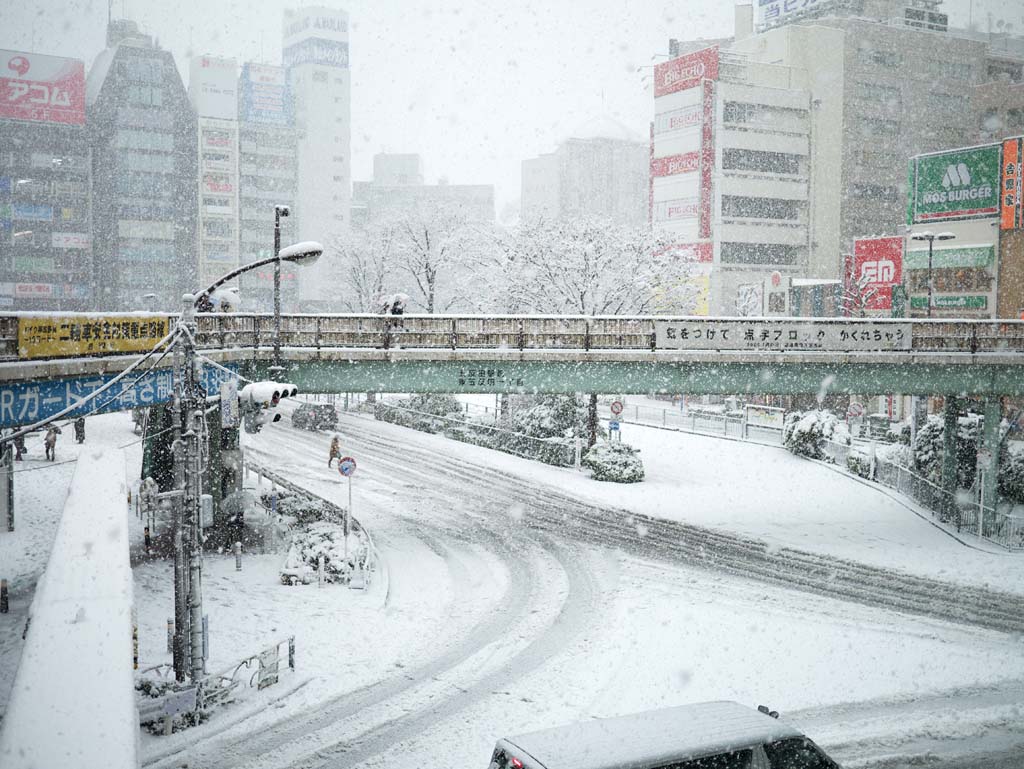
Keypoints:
pixel 256 397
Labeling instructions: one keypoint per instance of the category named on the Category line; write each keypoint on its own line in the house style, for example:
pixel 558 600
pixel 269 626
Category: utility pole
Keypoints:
pixel 188 582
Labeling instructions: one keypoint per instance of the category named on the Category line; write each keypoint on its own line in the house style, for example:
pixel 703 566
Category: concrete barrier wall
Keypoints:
pixel 73 700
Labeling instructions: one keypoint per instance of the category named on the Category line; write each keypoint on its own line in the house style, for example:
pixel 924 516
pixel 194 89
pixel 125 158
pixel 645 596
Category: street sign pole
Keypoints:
pixel 348 513
pixel 347 468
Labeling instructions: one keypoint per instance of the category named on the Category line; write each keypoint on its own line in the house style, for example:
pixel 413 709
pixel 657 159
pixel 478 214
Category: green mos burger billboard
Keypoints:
pixel 961 184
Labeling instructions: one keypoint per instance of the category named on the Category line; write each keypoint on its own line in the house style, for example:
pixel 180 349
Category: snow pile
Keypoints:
pixel 804 433
pixel 614 461
pixel 73 702
pixel 327 540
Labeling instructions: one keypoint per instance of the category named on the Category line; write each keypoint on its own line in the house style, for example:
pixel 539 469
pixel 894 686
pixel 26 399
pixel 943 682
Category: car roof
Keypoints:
pixel 652 737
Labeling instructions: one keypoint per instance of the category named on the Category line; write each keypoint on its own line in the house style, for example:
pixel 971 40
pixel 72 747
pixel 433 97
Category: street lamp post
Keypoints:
pixel 279 211
pixel 188 414
pixel 931 238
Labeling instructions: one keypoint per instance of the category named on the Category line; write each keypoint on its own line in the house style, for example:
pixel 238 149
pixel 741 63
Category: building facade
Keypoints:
pixel 601 171
pixel 397 190
pixel 841 94
pixel 267 177
pixel 143 135
pixel 316 57
pixel 46 257
pixel 213 92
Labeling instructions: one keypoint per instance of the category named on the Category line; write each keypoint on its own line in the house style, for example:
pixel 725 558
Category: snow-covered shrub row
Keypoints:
pixel 614 461
pixel 1011 474
pixel 858 461
pixel 804 433
pixel 301 508
pixel 157 688
pixel 540 428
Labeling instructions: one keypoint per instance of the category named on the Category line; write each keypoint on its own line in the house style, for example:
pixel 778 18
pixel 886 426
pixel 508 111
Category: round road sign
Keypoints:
pixel 855 411
pixel 616 407
pixel 347 466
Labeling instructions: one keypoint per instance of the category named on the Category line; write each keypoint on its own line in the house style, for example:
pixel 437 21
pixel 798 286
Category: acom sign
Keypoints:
pixel 962 184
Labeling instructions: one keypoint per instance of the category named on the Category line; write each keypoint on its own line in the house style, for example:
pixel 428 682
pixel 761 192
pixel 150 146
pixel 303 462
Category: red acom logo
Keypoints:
pixel 19 64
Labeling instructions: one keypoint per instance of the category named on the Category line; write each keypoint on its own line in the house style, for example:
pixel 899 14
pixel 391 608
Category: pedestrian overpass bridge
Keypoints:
pixel 46 362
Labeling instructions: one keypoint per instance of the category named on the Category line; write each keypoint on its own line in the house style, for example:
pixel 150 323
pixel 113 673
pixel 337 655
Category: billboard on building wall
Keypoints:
pixel 686 163
pixel 265 98
pixel 961 184
pixel 213 87
pixel 771 12
pixel 685 72
pixel 877 267
pixel 47 89
pixel 1011 213
pixel 315 36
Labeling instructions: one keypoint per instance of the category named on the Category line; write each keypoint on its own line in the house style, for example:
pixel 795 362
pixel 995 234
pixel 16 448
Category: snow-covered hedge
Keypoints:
pixel 804 433
pixel 928 448
pixel 858 461
pixel 421 412
pixel 614 461
pixel 302 509
pixel 328 540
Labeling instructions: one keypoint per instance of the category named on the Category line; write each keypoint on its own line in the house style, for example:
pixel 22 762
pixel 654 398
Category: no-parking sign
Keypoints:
pixel 347 466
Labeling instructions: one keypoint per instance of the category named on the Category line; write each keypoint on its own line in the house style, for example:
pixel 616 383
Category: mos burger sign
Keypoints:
pixel 686 72
pixel 962 184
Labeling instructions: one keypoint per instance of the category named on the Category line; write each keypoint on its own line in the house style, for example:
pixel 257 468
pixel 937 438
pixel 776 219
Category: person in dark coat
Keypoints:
pixel 80 429
pixel 19 447
pixel 50 442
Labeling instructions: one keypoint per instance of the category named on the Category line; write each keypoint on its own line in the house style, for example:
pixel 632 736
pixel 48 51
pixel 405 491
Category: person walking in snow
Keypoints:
pixel 19 447
pixel 50 442
pixel 80 430
pixel 335 452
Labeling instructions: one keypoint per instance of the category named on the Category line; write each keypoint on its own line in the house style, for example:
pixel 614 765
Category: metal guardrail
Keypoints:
pixel 541 332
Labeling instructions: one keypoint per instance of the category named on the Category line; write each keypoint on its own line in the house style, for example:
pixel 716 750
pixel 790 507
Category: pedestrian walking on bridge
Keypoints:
pixel 50 442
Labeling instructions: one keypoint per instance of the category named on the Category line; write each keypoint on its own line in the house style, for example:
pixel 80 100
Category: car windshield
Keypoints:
pixel 393 378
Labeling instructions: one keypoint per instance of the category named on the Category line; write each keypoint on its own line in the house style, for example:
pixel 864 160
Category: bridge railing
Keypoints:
pixel 553 332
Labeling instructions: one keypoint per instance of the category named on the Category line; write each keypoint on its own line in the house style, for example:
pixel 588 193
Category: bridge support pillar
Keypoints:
pixel 990 479
pixel 950 412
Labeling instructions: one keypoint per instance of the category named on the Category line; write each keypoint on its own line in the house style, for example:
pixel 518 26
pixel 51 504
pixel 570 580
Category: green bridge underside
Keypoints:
pixel 483 375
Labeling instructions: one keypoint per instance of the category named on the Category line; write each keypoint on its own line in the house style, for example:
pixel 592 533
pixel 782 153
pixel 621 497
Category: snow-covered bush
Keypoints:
pixel 303 509
pixel 1011 475
pixel 899 432
pixel 614 461
pixel 328 540
pixel 895 454
pixel 804 433
pixel 928 448
pixel 548 416
pixel 858 461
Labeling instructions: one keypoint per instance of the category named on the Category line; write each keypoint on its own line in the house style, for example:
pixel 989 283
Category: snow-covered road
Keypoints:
pixel 541 608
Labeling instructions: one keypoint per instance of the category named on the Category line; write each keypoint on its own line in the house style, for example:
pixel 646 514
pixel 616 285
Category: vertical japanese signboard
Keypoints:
pixel 877 267
pixel 47 89
pixel 1011 215
pixel 962 184
pixel 264 92
pixel 772 12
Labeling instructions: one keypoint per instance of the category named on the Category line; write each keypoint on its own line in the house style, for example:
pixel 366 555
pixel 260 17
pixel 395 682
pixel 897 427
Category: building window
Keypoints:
pixel 127 138
pixel 949 102
pixel 869 56
pixel 146 95
pixel 870 126
pixel 320 77
pixel 870 158
pixel 886 95
pixel 882 192
pixel 760 208
pixel 758 253
pixel 763 162
pixel 950 70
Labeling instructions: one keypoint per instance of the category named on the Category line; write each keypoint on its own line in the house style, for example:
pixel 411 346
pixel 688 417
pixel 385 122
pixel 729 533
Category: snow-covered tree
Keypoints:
pixel 366 265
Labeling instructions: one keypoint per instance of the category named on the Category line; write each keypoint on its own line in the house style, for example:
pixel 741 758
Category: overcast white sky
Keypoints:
pixel 474 86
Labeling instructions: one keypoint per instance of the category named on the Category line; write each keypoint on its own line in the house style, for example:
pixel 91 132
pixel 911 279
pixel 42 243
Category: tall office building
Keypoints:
pixel 143 134
pixel 786 143
pixel 316 57
pixel 599 171
pixel 267 177
pixel 213 92
pixel 45 200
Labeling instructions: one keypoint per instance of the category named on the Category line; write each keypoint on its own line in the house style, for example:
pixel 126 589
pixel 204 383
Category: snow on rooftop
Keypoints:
pixel 605 127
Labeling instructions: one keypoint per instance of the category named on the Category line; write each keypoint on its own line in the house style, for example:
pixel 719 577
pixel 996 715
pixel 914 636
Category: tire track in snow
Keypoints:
pixel 563 515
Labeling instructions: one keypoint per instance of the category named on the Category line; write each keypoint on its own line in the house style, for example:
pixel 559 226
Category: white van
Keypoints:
pixel 710 735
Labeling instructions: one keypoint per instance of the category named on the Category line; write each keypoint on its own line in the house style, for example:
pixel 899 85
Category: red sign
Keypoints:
pixel 686 72
pixel 42 88
pixel 877 267
pixel 690 252
pixel 676 164
pixel 1011 215
pixel 707 158
pixel 33 290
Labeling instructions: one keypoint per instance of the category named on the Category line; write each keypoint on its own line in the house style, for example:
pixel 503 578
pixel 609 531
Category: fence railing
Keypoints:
pixel 698 421
pixel 547 332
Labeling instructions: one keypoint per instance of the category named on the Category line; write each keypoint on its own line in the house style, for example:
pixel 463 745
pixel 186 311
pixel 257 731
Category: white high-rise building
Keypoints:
pixel 213 91
pixel 316 57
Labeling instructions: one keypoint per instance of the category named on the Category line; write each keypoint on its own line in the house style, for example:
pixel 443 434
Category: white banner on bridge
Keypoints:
pixel 781 335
